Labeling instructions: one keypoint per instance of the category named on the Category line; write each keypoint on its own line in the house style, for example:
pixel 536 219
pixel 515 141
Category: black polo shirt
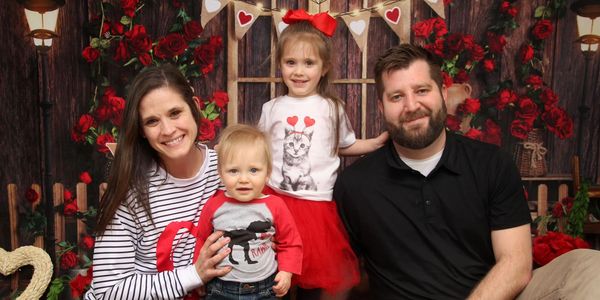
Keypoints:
pixel 429 237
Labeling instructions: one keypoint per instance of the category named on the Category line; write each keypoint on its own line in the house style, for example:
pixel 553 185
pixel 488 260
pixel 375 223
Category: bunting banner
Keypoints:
pixel 211 8
pixel 437 6
pixel 359 27
pixel 278 22
pixel 397 16
pixel 245 15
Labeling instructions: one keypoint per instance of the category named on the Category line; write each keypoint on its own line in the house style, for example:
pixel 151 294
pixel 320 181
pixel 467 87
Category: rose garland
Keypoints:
pixel 119 45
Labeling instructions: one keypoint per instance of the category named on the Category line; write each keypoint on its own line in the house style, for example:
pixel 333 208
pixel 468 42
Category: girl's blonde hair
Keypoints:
pixel 306 32
pixel 239 137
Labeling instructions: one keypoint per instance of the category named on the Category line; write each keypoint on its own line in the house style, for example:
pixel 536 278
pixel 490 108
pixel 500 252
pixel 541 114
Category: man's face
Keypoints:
pixel 413 106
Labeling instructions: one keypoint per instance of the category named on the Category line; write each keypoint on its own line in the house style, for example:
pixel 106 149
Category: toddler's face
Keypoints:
pixel 244 174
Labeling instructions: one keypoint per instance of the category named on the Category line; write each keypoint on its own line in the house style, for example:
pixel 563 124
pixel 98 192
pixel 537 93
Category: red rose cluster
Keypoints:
pixel 553 244
pixel 459 52
pixel 130 47
pixel 80 283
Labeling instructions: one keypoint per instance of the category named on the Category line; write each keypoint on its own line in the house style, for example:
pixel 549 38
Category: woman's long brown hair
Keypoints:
pixel 135 157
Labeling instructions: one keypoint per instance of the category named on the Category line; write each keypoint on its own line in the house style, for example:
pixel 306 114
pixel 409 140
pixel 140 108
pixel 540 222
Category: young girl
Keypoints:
pixel 251 220
pixel 308 128
pixel 159 182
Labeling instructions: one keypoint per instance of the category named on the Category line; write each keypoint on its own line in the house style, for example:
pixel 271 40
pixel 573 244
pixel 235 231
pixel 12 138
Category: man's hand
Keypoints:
pixel 210 257
pixel 283 280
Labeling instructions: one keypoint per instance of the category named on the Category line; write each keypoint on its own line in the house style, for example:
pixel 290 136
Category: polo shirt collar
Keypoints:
pixel 449 159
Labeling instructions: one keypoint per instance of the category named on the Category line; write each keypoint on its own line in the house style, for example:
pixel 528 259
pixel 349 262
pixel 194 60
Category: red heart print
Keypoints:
pixel 292 120
pixel 308 121
pixel 393 15
pixel 244 18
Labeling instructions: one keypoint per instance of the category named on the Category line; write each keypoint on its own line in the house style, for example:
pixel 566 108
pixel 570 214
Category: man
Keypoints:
pixel 434 215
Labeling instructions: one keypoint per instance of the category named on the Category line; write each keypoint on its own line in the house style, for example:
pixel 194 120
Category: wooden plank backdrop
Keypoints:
pixel 70 88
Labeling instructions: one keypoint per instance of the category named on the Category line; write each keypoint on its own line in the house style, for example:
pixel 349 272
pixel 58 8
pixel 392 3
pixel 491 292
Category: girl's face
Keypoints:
pixel 301 68
pixel 168 124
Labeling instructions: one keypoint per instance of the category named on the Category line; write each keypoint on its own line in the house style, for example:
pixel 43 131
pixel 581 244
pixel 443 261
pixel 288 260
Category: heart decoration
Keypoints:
pixel 358 26
pixel 28 255
pixel 212 5
pixel 244 18
pixel 308 121
pixel 281 26
pixel 292 120
pixel 164 246
pixel 393 15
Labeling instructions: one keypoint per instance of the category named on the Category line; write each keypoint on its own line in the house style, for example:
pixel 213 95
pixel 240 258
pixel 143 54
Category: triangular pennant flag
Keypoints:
pixel 437 6
pixel 278 22
pixel 397 16
pixel 112 147
pixel 211 8
pixel 244 16
pixel 359 27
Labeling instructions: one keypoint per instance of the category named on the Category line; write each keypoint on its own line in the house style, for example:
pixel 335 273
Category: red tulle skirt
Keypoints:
pixel 328 260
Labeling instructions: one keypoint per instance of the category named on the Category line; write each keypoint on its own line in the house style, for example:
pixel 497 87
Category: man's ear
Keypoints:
pixel 380 105
pixel 444 92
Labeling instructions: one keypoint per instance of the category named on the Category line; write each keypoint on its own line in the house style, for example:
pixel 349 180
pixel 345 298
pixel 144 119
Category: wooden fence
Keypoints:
pixel 60 221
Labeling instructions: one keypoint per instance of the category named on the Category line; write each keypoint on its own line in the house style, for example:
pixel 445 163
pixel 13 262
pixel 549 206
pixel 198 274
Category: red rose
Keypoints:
pixel 102 140
pixel 542 29
pixel 526 53
pixel 558 122
pixel 31 195
pixel 489 65
pixel 568 203
pixel 548 97
pixel 455 44
pixel 220 99
pixel 78 285
pixel 83 125
pixel 177 3
pixel 535 81
pixel 505 97
pixel 191 30
pixel 68 260
pixel 424 28
pixel 542 254
pixel 520 129
pixel 557 210
pixel 129 7
pixel 85 177
pixel 474 134
pixel 477 53
pixel 105 29
pixel 447 80
pixel 439 26
pixel 508 9
pixel 173 44
pixel 496 42
pixel 87 242
pixel 117 28
pixel 492 133
pixel 528 110
pixel 103 113
pixel 70 208
pixel 471 106
pixel 452 122
pixel 145 58
pixel 581 244
pixel 207 130
pixel 90 54
pixel 468 41
pixel 461 77
pixel 121 52
pixel 437 48
pixel 67 195
pixel 138 39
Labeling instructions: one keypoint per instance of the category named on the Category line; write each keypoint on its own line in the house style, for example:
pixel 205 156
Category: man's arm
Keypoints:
pixel 512 271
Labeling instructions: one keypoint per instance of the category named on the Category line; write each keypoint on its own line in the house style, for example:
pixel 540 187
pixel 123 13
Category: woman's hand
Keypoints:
pixel 283 280
pixel 210 257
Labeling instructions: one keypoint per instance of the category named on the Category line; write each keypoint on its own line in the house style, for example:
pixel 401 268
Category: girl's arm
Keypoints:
pixel 364 146
pixel 115 275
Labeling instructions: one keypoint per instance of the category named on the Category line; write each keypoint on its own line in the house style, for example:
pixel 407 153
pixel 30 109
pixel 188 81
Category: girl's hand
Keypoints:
pixel 209 257
pixel 283 280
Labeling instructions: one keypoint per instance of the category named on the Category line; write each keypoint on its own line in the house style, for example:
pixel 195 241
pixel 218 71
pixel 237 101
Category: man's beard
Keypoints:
pixel 412 140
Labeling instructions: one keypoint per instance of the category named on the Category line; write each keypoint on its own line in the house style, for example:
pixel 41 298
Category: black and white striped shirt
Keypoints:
pixel 125 256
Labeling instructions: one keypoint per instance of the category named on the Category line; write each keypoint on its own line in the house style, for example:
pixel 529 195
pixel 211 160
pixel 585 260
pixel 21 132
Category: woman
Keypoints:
pixel 160 179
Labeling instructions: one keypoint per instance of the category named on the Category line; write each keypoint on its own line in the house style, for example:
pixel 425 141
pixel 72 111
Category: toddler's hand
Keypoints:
pixel 283 280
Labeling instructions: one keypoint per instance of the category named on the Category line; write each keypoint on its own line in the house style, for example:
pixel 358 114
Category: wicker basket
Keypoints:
pixel 530 155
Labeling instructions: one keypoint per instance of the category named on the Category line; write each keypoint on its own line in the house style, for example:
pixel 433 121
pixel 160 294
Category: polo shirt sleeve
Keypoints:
pixel 508 206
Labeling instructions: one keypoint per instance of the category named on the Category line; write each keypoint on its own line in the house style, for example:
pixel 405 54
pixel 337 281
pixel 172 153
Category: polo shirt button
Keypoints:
pixel 427 202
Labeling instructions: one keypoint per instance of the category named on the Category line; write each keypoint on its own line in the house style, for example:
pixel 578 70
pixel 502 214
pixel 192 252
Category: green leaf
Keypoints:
pixel 95 42
pixel 130 61
pixel 539 12
pixel 125 20
pixel 209 108
pixel 56 287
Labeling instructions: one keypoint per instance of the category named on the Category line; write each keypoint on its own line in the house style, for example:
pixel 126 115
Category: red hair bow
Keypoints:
pixel 321 21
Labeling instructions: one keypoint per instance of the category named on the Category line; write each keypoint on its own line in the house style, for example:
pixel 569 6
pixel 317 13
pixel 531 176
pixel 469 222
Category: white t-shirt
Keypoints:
pixel 302 133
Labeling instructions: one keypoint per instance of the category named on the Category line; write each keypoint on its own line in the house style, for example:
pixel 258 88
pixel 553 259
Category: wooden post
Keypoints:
pixel 13 217
pixel 82 205
pixel 59 220
pixel 232 68
pixel 542 201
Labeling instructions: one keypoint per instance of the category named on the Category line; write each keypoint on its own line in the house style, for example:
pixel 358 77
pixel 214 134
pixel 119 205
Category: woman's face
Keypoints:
pixel 168 124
